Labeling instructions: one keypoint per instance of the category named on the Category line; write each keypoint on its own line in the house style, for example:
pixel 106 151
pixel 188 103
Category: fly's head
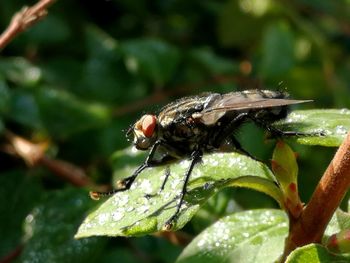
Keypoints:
pixel 145 132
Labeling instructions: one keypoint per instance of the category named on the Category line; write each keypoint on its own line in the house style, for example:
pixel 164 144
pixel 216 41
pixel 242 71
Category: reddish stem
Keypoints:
pixel 66 171
pixel 310 226
pixel 12 255
pixel 23 19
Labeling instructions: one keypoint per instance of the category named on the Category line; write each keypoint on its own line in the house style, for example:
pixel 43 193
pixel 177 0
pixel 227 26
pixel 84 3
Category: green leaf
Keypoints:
pixel 20 71
pixel 211 63
pixel 284 164
pixel 336 234
pixel 2 126
pixel 339 242
pixel 285 168
pixel 132 213
pixel 119 255
pixel 64 114
pixel 4 96
pixel 249 236
pixel 52 30
pixel 333 123
pixel 315 253
pixel 24 109
pixel 19 193
pixel 278 50
pixel 230 30
pixel 130 156
pixel 263 185
pixel 340 221
pixel 103 75
pixel 151 58
pixel 50 229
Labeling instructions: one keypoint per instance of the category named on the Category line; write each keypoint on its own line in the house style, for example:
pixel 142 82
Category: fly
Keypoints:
pixel 191 126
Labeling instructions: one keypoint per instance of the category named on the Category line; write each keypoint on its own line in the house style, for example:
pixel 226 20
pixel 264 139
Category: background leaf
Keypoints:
pixel 315 253
pixel 249 236
pixel 152 59
pixel 21 193
pixel 64 115
pixel 278 41
pixel 339 222
pixel 50 228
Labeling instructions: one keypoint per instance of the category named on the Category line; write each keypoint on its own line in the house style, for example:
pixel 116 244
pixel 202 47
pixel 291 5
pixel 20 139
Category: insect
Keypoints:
pixel 191 126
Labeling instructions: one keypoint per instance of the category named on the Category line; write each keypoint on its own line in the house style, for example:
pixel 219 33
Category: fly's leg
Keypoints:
pixel 227 134
pixel 275 132
pixel 167 174
pixel 229 129
pixel 195 158
pixel 126 183
pixel 240 149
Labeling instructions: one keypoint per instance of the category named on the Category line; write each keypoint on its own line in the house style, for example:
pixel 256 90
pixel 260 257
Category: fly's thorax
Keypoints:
pixel 145 132
pixel 186 135
pixel 183 109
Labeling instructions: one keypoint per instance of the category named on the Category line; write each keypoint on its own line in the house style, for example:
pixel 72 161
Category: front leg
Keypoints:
pixel 196 157
pixel 126 183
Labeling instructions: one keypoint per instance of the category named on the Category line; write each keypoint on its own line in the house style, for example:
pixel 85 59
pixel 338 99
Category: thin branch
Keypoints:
pixel 178 238
pixel 34 155
pixel 12 255
pixel 22 20
pixel 310 226
pixel 67 171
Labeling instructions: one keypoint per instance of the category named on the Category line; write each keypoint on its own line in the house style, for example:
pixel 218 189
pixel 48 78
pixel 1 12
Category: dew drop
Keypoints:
pixel 184 163
pixel 345 111
pixel 245 234
pixel 143 209
pixel 102 218
pixel 166 195
pixel 134 186
pixel 117 215
pixel 162 177
pixel 124 199
pixel 214 162
pixel 196 173
pixel 208 185
pixel 129 209
pixel 294 117
pixel 340 129
pixel 201 243
pixel 175 183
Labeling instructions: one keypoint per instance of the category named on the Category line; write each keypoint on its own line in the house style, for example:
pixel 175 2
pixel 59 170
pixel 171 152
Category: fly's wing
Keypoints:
pixel 239 101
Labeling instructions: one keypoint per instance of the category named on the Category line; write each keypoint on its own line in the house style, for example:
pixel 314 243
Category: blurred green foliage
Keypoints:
pixel 81 76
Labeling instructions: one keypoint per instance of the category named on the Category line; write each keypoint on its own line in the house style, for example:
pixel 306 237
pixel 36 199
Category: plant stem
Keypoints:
pixel 23 19
pixel 335 182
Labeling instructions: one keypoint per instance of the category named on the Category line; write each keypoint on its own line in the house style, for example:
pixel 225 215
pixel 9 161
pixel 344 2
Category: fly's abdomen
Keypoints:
pixel 270 114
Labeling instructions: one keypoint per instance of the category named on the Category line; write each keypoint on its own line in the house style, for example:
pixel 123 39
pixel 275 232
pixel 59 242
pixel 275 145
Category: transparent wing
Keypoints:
pixel 252 104
pixel 241 101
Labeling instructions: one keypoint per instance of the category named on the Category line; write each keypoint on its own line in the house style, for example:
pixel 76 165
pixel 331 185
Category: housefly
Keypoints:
pixel 191 126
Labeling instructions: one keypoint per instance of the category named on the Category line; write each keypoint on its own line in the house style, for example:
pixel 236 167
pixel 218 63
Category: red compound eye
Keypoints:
pixel 148 125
